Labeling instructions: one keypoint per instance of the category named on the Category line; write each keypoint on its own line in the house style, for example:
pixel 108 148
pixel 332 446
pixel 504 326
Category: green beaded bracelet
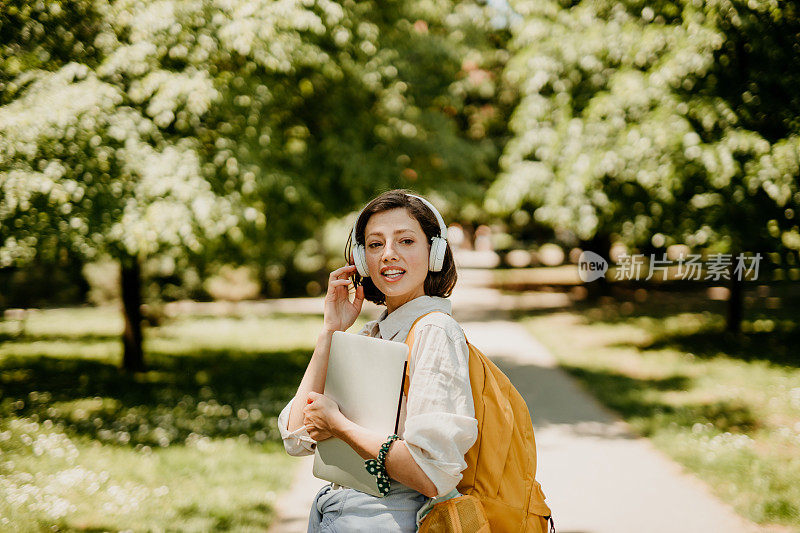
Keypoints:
pixel 377 467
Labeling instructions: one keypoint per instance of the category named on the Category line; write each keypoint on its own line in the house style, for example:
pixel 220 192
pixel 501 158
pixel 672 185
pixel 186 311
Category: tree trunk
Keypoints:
pixel 132 356
pixel 735 304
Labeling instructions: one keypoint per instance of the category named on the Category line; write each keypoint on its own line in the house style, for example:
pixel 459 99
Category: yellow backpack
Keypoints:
pixel 501 465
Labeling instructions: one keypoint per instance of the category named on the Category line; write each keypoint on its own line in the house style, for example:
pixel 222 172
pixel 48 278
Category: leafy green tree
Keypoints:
pixel 211 132
pixel 404 99
pixel 88 158
pixel 657 123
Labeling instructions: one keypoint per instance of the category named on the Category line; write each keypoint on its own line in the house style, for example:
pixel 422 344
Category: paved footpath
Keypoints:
pixel 597 477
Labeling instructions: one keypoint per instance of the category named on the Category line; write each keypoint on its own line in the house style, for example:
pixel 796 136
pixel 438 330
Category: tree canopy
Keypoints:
pixel 229 131
pixel 155 127
pixel 657 122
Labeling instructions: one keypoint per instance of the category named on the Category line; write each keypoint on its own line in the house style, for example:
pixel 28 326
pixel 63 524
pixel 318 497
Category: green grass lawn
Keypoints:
pixel 191 445
pixel 726 407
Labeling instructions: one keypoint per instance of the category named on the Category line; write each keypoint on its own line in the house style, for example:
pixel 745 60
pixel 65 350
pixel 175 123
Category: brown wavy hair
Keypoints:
pixel 436 283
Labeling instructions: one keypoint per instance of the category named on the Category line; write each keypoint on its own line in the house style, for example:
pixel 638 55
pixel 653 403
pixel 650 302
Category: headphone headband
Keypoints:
pixel 442 227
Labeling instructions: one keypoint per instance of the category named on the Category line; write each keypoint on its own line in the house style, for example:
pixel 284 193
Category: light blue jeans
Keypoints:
pixel 345 510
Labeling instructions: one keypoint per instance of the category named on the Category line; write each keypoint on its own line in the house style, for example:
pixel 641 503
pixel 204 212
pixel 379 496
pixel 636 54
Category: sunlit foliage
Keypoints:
pixel 140 128
pixel 639 118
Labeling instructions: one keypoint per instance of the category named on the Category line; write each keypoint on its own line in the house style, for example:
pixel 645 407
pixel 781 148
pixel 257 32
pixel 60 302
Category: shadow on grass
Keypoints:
pixel 252 516
pixel 622 304
pixel 212 393
pixel 206 518
pixel 629 397
pixel 767 334
pixel 777 347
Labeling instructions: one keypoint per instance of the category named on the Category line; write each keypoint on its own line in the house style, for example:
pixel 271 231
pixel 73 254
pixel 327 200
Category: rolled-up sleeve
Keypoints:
pixel 440 425
pixel 297 442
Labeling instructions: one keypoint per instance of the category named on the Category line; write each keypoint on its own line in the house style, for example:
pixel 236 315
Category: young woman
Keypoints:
pixel 437 420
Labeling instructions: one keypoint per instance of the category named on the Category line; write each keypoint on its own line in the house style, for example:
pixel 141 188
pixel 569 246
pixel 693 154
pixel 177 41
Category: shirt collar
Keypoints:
pixel 398 322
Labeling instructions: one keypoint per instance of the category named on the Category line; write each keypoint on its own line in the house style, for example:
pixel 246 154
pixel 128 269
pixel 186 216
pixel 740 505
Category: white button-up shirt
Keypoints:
pixel 437 421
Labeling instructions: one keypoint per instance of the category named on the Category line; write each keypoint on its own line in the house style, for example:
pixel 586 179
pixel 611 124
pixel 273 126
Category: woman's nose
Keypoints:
pixel 389 251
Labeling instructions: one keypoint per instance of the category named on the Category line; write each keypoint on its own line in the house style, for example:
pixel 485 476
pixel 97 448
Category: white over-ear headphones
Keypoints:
pixel 438 244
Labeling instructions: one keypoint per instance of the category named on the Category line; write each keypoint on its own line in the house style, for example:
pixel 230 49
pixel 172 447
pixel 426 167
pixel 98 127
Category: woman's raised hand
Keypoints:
pixel 340 313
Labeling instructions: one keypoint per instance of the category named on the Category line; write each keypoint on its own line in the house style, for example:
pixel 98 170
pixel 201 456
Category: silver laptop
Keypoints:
pixel 365 378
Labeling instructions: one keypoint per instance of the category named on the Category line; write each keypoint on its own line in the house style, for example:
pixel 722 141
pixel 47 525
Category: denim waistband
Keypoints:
pixel 396 487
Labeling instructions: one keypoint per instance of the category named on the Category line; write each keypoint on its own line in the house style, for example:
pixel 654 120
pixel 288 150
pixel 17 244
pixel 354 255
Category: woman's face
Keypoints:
pixel 395 241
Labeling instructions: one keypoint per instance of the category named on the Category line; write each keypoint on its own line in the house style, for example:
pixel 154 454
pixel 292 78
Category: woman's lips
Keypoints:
pixel 392 279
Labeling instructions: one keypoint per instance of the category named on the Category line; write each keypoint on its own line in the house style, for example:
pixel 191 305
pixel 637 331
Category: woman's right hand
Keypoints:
pixel 340 313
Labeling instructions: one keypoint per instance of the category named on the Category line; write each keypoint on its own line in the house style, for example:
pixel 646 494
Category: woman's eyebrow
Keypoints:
pixel 395 232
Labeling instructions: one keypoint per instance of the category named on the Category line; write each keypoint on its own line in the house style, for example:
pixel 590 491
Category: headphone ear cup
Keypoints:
pixel 438 249
pixel 360 260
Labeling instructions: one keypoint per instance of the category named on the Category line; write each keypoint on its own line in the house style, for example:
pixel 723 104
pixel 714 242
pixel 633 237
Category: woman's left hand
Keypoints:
pixel 321 416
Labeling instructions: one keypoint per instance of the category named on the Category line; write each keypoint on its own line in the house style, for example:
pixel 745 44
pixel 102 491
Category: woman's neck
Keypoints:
pixel 393 304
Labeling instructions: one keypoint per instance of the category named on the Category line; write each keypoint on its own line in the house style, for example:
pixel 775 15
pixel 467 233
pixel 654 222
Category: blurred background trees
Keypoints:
pixel 657 123
pixel 199 143
pixel 192 134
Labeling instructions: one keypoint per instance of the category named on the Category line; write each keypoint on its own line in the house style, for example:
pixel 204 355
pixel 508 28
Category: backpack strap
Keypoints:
pixel 410 344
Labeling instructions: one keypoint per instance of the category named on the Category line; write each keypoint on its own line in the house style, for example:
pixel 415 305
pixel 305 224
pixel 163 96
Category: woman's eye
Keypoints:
pixel 374 244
